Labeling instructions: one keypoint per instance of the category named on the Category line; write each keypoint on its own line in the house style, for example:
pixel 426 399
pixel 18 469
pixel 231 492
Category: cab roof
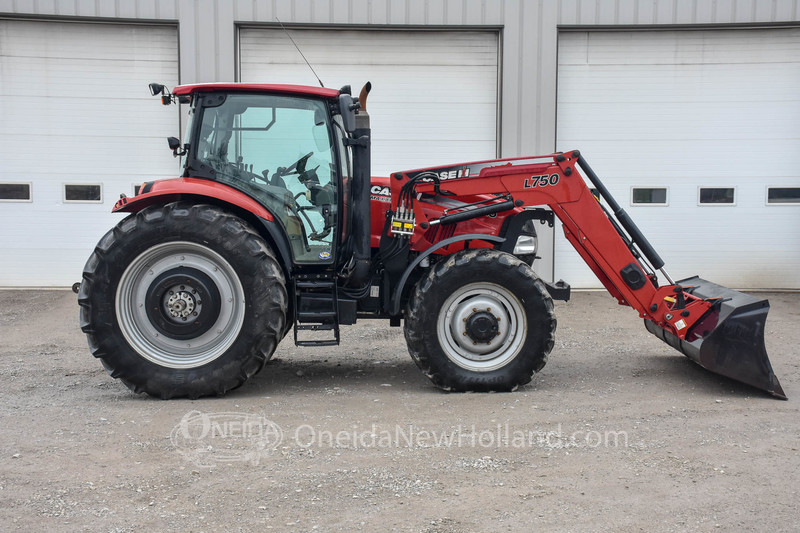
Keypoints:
pixel 305 90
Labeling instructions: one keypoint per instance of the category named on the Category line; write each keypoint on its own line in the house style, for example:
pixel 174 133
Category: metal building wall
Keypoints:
pixel 529 35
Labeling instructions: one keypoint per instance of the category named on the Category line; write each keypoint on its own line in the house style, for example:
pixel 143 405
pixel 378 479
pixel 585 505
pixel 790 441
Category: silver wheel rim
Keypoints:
pixel 157 347
pixel 465 351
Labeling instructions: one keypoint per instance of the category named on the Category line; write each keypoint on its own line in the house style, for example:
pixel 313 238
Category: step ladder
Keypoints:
pixel 316 308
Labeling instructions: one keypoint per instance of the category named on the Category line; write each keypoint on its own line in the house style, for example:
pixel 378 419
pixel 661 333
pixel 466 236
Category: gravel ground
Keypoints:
pixel 618 433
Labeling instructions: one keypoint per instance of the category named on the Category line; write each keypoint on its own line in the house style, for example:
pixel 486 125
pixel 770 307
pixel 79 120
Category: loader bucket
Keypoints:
pixel 729 340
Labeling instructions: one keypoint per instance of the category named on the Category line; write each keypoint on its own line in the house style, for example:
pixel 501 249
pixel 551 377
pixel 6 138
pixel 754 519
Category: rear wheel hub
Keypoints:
pixel 180 304
pixel 183 303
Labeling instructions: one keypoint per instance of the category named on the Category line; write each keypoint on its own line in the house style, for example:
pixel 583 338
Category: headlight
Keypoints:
pixel 526 245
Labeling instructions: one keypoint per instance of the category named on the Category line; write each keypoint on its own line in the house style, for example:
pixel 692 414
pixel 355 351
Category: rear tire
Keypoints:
pixel 481 320
pixel 182 300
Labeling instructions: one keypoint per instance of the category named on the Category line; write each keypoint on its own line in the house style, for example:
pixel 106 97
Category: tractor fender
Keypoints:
pixel 163 192
pixel 394 309
pixel 512 225
pixel 156 192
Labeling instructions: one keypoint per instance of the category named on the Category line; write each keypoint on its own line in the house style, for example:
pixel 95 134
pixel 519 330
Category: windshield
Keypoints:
pixel 277 149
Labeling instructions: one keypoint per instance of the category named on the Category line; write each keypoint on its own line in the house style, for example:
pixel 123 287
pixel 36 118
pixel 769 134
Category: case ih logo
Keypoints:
pixel 446 173
pixel 381 194
pixel 453 174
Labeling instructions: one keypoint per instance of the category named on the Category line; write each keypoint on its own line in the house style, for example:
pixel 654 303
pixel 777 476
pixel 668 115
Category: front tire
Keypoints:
pixel 481 320
pixel 182 300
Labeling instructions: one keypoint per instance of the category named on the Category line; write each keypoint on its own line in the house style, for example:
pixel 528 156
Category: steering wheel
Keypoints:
pixel 298 167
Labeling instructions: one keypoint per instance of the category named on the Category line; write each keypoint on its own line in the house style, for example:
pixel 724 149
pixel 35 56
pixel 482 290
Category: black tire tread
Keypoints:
pixel 266 300
pixel 422 309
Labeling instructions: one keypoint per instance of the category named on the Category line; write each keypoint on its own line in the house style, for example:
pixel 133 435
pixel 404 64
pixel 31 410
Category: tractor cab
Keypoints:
pixel 281 147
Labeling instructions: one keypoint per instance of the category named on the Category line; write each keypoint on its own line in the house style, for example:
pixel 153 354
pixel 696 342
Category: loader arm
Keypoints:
pixel 620 256
pixel 557 183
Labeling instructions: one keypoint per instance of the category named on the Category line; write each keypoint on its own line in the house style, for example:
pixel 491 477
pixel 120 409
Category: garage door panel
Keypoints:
pixel 107 41
pixel 434 96
pixel 97 158
pixel 408 155
pixel 84 78
pixel 400 48
pixel 677 83
pixel 425 84
pixel 679 48
pixel 647 111
pixel 686 160
pixel 48 116
pixel 678 121
pixel 76 109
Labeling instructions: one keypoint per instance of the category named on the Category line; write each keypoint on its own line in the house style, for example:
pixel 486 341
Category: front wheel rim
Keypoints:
pixel 136 321
pixel 494 308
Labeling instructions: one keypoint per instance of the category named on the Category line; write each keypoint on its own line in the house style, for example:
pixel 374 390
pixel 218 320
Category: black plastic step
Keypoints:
pixel 316 316
pixel 316 309
pixel 315 284
pixel 332 342
pixel 316 327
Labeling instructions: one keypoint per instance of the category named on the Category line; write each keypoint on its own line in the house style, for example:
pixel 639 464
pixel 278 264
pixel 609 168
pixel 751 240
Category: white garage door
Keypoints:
pixel 434 95
pixel 78 128
pixel 705 124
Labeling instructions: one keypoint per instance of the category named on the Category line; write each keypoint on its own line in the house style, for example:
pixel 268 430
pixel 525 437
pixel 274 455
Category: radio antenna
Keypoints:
pixel 301 53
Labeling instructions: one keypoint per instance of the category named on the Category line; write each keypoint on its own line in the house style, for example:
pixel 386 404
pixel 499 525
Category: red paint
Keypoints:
pixel 585 225
pixel 174 189
pixel 323 92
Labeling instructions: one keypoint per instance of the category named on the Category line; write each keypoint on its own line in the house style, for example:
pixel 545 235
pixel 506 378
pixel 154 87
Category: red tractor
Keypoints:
pixel 276 223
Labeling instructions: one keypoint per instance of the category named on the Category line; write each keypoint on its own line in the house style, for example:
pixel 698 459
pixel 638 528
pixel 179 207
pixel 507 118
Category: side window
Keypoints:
pixel 279 150
pixel 346 169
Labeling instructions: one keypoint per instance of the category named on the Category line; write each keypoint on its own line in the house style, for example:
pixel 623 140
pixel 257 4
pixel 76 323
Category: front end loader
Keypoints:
pixel 276 225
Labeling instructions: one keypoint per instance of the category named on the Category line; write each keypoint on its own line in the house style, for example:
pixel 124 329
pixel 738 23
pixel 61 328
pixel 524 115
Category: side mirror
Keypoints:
pixel 175 145
pixel 156 88
pixel 348 107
